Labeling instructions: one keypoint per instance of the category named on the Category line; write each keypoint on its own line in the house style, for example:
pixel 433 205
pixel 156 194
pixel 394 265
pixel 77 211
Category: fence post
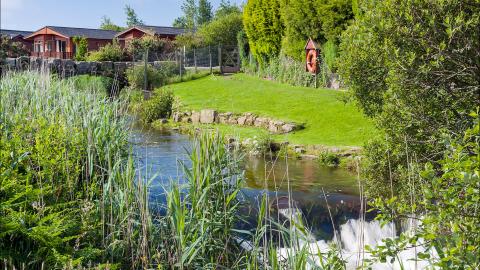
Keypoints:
pixel 180 64
pixel 145 73
pixel 195 59
pixel 220 58
pixel 210 57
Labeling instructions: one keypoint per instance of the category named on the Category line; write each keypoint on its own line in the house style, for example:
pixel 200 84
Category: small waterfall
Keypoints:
pixel 353 237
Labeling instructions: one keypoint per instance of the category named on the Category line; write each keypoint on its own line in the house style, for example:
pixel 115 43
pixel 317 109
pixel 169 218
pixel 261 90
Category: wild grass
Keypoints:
pixel 67 189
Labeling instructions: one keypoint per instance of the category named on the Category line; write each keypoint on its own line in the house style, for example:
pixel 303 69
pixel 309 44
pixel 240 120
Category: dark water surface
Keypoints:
pixel 312 186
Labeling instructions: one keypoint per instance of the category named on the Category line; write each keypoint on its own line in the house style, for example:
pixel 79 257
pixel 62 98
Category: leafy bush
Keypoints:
pixel 89 83
pixel 329 159
pixel 81 45
pixel 228 25
pixel 287 70
pixel 446 204
pixel 329 51
pixel 415 91
pixel 157 107
pixel 136 77
pixel 110 52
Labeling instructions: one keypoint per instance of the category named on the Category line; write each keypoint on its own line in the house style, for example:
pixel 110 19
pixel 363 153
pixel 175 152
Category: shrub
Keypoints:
pixel 329 159
pixel 110 52
pixel 136 79
pixel 81 45
pixel 157 107
pixel 415 91
pixel 286 70
pixel 329 50
pixel 91 83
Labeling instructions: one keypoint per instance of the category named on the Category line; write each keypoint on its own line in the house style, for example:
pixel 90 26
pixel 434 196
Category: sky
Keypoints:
pixel 32 15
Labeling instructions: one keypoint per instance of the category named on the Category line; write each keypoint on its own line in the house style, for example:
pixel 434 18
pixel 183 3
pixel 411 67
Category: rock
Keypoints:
pixel 250 119
pixel 68 67
pixel 232 120
pixel 288 128
pixel 272 127
pixel 208 116
pixel 334 81
pixel 177 117
pixel 187 119
pixel 119 67
pixel 222 118
pixel 241 120
pixel 195 117
pixel 11 63
pixel 83 67
pixel 300 150
pixel 261 122
pixel 55 65
pixel 106 68
pixel 23 63
pixel 309 157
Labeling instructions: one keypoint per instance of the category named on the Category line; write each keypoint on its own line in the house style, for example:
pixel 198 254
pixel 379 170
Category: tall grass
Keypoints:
pixel 67 192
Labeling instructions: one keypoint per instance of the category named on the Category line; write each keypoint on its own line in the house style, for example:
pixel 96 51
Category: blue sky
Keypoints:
pixel 33 14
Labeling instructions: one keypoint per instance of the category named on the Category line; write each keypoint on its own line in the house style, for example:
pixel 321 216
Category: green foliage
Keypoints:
pixel 286 70
pixel 81 48
pixel 329 50
pixel 132 17
pixel 136 77
pixel 448 203
pixel 93 84
pixel 109 52
pixel 415 91
pixel 321 20
pixel 229 26
pixel 243 48
pixel 198 229
pixel 264 28
pixel 66 193
pixel 154 45
pixel 157 107
pixel 107 24
pixel 9 48
pixel 226 8
pixel 205 13
pixel 329 159
pixel 188 20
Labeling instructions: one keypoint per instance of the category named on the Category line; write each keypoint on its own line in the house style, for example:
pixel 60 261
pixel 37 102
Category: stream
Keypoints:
pixel 160 153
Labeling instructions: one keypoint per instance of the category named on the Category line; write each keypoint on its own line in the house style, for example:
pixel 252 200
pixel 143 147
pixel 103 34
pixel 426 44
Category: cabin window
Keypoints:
pixel 61 45
pixel 49 46
pixel 38 46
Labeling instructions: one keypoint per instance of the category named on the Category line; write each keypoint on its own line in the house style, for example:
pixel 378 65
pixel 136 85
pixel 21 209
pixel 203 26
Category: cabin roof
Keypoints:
pixel 79 32
pixel 155 30
pixel 14 33
pixel 312 45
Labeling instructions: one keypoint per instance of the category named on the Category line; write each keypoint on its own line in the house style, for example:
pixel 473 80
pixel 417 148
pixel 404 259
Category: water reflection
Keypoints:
pixel 312 187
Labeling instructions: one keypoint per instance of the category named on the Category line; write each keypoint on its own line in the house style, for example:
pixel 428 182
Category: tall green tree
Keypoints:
pixel 189 18
pixel 132 17
pixel 226 8
pixel 264 28
pixel 413 67
pixel 81 48
pixel 107 24
pixel 205 13
pixel 229 26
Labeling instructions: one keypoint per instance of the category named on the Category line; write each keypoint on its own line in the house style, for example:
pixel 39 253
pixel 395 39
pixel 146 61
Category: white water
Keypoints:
pixel 354 236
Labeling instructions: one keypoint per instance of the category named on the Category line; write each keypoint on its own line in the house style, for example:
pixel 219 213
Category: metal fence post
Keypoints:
pixel 145 71
pixel 220 58
pixel 195 59
pixel 210 57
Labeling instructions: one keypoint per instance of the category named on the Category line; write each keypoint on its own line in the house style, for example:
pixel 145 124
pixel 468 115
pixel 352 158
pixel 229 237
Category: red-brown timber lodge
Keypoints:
pixel 57 41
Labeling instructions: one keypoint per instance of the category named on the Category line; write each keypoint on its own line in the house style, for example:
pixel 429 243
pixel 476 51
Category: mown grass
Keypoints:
pixel 328 120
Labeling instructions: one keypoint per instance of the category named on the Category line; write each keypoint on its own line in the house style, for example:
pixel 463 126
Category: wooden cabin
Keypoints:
pixel 19 37
pixel 139 31
pixel 57 42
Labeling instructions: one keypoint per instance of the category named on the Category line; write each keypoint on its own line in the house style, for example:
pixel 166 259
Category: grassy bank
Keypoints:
pixel 328 120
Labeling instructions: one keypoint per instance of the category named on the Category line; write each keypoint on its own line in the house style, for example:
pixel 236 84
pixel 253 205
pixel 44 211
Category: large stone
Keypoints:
pixel 55 65
pixel 250 119
pixel 261 122
pixel 177 116
pixel 241 120
pixel 208 116
pixel 68 67
pixel 11 63
pixel 195 117
pixel 83 67
pixel 23 63
pixel 120 67
pixel 275 126
pixel 106 68
pixel 288 127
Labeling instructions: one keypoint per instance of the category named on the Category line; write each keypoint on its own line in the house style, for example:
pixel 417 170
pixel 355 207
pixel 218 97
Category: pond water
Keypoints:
pixel 312 187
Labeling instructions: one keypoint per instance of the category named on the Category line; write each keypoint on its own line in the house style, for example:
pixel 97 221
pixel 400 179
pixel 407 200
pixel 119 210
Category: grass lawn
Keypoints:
pixel 328 120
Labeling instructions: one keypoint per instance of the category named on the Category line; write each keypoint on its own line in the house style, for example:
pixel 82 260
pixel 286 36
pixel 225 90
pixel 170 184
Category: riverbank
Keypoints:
pixel 327 119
